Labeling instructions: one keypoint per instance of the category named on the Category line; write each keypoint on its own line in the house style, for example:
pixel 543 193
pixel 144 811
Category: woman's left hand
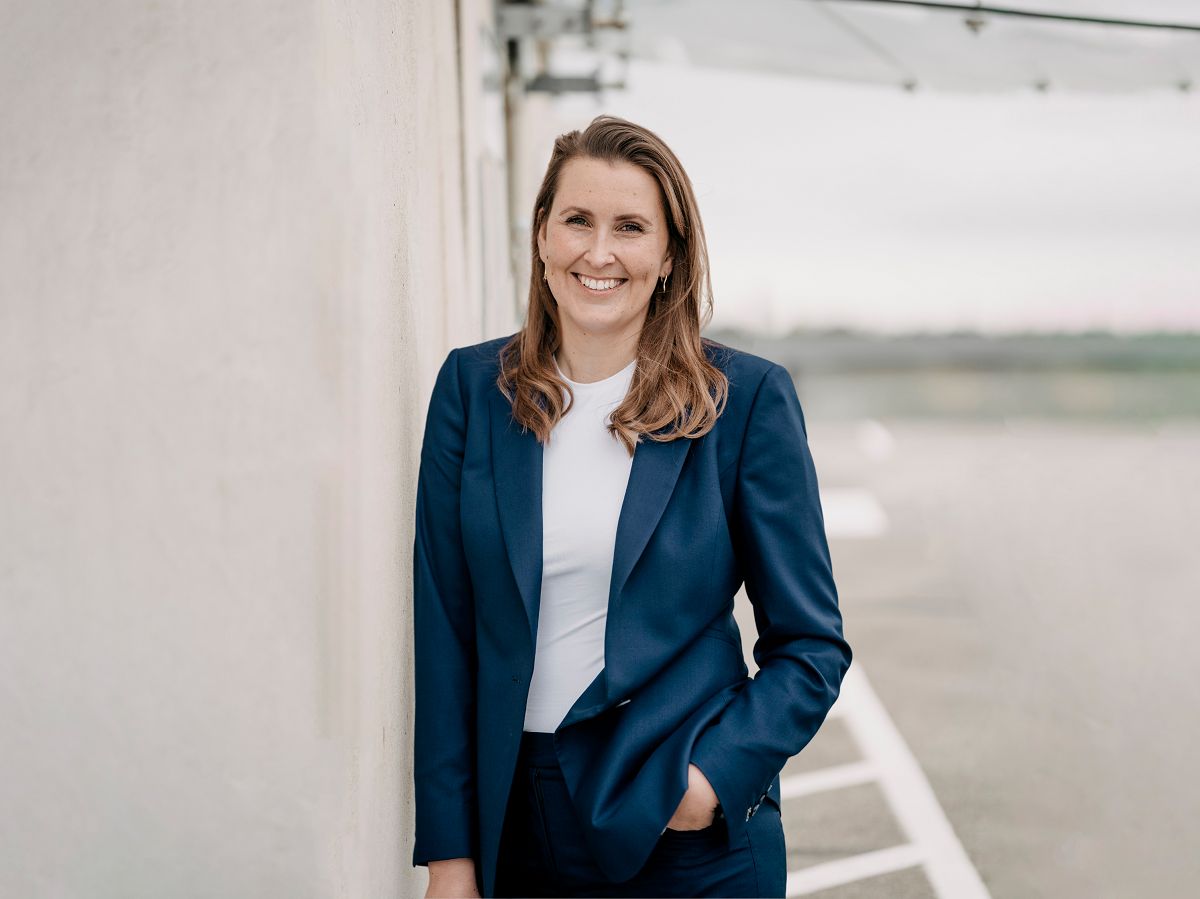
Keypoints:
pixel 698 807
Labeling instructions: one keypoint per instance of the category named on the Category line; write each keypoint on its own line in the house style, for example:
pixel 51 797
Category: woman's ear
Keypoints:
pixel 666 269
pixel 541 234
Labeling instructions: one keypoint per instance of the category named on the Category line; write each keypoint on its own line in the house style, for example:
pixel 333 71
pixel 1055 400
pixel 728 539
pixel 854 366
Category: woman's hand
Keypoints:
pixel 698 807
pixel 452 878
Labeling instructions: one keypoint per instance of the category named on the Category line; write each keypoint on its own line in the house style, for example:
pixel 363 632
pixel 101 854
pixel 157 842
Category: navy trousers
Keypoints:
pixel 542 851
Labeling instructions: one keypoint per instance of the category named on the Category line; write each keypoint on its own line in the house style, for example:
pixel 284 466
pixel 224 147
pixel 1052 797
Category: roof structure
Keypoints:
pixel 964 47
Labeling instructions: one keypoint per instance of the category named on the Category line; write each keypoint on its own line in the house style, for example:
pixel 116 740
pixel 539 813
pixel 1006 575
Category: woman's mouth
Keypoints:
pixel 599 285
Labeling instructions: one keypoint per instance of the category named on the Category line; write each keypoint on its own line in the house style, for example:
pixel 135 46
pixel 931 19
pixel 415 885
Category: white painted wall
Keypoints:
pixel 236 241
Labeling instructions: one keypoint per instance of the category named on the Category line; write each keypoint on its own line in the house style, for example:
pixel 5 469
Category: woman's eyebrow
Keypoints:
pixel 624 215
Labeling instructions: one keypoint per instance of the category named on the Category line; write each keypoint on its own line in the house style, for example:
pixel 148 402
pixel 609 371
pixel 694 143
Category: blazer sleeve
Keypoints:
pixel 444 638
pixel 779 538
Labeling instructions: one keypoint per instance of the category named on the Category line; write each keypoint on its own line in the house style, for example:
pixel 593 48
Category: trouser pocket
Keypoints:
pixel 694 845
pixel 566 847
pixel 541 823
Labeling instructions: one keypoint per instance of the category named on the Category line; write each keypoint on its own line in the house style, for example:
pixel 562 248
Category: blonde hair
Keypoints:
pixel 676 392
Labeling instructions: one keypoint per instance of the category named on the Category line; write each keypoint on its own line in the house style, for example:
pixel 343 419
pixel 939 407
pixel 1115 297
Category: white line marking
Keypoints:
pixel 852 513
pixel 907 791
pixel 847 870
pixel 875 440
pixel 796 785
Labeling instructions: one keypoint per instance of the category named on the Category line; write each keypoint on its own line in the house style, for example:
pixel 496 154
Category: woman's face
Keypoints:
pixel 604 244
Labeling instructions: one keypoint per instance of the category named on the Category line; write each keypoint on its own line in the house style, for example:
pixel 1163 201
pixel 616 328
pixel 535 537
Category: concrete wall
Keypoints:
pixel 236 240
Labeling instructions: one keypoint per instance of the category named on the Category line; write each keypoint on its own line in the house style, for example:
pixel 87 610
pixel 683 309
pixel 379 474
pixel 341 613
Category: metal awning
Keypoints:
pixel 925 46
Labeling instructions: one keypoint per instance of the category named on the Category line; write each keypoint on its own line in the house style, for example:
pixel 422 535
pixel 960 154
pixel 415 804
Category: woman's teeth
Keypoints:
pixel 606 284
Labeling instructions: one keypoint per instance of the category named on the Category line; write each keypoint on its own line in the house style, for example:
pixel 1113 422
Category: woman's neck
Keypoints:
pixel 594 361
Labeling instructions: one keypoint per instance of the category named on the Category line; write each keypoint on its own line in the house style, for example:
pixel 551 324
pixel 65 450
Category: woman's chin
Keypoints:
pixel 596 319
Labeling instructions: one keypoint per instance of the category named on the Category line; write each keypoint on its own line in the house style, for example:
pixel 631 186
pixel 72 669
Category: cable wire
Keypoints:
pixel 1030 14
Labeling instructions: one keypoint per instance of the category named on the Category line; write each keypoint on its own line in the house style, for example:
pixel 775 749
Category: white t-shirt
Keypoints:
pixel 584 474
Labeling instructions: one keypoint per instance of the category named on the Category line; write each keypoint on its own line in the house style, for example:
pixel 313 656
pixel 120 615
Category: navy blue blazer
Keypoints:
pixel 699 517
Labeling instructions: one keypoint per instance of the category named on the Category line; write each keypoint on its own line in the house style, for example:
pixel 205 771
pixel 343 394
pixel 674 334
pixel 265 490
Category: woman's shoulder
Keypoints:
pixel 479 362
pixel 746 366
pixel 485 351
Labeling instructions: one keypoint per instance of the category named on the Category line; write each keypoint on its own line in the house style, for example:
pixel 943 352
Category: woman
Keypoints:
pixel 593 491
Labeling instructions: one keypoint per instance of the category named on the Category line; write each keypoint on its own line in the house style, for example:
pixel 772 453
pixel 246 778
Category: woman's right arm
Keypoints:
pixel 444 641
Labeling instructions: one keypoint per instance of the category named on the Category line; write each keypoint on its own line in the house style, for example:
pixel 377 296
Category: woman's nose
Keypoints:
pixel 599 253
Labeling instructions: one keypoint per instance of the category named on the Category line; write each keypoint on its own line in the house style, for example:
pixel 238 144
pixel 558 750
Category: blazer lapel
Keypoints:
pixel 652 478
pixel 517 468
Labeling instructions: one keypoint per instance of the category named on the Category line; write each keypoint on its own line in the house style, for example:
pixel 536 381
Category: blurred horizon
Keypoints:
pixel 843 374
pixel 752 330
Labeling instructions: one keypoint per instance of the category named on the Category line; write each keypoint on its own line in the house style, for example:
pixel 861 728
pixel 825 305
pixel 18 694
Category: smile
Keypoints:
pixel 599 285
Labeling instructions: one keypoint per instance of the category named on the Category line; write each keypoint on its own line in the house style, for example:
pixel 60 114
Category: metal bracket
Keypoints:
pixel 561 84
pixel 525 20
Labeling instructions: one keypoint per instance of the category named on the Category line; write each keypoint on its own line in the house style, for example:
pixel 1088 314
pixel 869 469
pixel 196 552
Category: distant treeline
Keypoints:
pixel 842 374
pixel 842 350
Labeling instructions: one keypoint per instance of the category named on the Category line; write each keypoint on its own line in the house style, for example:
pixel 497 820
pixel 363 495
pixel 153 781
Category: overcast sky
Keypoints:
pixel 835 204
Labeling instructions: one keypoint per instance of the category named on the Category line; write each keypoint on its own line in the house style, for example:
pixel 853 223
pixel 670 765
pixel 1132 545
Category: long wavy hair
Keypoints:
pixel 675 392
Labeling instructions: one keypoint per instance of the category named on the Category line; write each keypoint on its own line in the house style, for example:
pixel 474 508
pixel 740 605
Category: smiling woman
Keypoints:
pixel 620 271
pixel 594 489
pixel 605 237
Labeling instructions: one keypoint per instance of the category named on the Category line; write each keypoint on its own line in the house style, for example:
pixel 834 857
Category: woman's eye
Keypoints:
pixel 576 218
pixel 634 225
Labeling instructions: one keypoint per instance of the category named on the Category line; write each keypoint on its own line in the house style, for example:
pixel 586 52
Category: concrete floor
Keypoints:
pixel 1027 615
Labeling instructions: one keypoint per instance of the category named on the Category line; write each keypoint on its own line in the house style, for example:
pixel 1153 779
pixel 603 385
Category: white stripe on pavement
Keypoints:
pixel 852 513
pixel 847 870
pixel 907 791
pixel 875 440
